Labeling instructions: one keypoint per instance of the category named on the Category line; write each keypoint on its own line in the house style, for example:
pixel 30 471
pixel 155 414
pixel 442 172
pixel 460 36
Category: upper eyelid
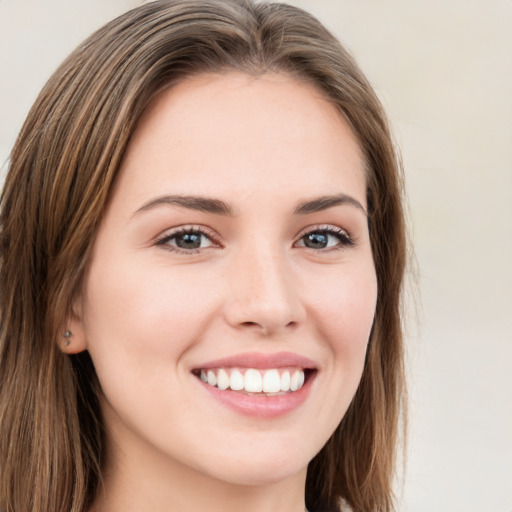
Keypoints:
pixel 324 227
pixel 215 237
pixel 188 228
pixel 346 239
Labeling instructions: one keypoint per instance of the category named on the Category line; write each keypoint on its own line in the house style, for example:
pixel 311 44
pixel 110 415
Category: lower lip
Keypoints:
pixel 261 406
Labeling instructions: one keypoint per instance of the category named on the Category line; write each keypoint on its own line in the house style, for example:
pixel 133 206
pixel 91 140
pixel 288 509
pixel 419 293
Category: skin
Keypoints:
pixel 149 313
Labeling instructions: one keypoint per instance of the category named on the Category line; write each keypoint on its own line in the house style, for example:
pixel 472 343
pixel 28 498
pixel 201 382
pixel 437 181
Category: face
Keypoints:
pixel 231 290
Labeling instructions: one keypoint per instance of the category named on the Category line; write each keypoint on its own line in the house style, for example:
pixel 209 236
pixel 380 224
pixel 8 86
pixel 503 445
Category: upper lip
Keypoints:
pixel 260 361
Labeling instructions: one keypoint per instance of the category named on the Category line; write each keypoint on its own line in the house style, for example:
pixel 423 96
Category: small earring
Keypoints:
pixel 67 335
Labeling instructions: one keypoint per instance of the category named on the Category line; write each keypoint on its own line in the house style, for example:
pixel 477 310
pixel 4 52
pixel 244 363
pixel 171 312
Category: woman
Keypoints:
pixel 202 250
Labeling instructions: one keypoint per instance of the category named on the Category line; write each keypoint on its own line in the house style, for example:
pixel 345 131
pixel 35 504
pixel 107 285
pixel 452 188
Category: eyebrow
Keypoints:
pixel 202 204
pixel 219 207
pixel 324 202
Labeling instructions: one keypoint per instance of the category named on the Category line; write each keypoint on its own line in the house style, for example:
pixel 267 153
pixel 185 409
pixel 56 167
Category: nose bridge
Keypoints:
pixel 264 291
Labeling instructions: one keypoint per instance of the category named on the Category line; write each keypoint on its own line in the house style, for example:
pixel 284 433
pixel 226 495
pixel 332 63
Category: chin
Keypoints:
pixel 263 467
pixel 262 474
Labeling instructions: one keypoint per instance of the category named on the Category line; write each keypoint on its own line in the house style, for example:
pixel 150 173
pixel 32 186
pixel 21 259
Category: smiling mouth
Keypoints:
pixel 269 382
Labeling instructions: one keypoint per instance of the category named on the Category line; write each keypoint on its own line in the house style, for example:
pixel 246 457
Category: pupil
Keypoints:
pixel 189 241
pixel 316 240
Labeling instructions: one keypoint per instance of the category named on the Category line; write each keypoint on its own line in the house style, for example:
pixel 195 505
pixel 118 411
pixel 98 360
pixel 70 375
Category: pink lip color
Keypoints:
pixel 261 361
pixel 267 407
pixel 261 406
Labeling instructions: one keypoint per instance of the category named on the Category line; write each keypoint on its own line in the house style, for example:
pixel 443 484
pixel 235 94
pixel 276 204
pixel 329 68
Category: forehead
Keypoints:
pixel 219 131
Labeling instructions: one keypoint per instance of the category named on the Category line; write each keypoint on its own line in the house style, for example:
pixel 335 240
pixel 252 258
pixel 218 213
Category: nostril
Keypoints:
pixel 256 327
pixel 266 328
pixel 251 324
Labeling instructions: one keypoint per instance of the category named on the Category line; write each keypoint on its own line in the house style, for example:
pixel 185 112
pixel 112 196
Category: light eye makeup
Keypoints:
pixel 325 238
pixel 193 239
pixel 188 240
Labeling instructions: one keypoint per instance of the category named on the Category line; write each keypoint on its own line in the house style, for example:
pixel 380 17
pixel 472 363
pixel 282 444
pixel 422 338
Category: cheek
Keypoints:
pixel 138 317
pixel 346 312
pixel 139 327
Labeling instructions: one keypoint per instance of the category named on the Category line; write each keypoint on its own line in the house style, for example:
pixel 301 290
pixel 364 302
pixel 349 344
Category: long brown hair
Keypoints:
pixel 62 169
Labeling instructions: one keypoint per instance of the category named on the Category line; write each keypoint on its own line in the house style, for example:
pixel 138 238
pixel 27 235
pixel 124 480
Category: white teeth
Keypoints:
pixel 285 381
pixel 271 382
pixel 236 381
pixel 294 382
pixel 212 378
pixel 254 381
pixel 222 379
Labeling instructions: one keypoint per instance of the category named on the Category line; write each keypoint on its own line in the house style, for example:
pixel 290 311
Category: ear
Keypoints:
pixel 72 338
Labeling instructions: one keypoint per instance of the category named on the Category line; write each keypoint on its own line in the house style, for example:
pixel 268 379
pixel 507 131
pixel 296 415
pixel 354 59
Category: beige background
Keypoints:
pixel 443 69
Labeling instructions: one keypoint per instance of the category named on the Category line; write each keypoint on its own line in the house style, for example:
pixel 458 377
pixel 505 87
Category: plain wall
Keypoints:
pixel 443 69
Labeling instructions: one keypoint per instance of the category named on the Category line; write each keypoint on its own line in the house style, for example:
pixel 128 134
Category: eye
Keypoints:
pixel 186 240
pixel 325 238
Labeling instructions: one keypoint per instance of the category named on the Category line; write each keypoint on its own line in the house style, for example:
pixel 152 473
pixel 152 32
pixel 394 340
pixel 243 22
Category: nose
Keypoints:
pixel 264 296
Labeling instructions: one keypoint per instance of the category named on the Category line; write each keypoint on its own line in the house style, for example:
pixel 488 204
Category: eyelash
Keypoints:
pixel 192 230
pixel 345 240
